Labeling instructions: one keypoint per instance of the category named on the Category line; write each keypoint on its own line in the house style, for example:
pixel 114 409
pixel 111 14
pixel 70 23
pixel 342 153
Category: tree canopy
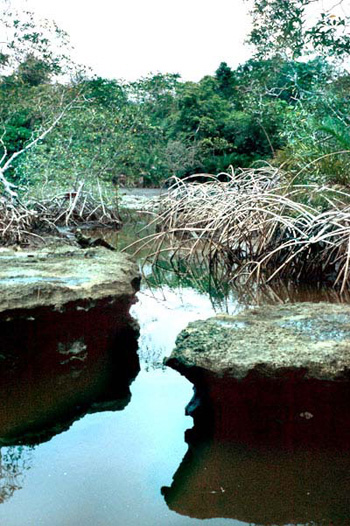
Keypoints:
pixel 288 104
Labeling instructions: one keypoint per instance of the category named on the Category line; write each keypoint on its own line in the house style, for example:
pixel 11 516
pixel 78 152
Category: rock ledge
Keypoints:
pixel 53 278
pixel 311 340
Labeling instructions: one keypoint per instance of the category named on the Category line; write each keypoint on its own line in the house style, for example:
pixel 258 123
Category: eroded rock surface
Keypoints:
pixel 271 434
pixel 68 344
pixel 53 278
pixel 312 339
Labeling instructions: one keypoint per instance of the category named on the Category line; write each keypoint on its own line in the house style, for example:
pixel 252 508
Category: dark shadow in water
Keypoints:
pixel 267 452
pixel 57 366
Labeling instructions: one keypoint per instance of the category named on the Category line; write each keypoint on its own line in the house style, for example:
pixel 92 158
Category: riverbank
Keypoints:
pixel 241 462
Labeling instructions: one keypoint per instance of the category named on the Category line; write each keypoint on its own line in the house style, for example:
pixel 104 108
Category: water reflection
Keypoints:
pixel 267 454
pixel 107 470
pixel 179 274
pixel 224 295
pixel 163 313
pixel 57 366
pixel 14 462
pixel 264 460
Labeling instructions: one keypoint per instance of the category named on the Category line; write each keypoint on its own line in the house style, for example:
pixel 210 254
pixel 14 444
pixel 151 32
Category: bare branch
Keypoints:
pixel 41 137
pixel 4 147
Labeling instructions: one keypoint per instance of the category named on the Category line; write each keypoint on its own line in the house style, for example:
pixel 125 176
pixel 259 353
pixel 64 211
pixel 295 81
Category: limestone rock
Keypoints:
pixel 270 341
pixel 54 278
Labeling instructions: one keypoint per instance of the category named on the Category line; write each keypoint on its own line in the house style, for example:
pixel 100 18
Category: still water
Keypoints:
pixel 121 451
pixel 109 466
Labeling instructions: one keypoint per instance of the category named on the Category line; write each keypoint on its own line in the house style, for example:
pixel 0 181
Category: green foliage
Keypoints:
pixel 313 123
pixel 282 27
pixel 317 137
pixel 278 107
pixel 225 79
pixel 31 44
pixel 159 127
pixel 104 92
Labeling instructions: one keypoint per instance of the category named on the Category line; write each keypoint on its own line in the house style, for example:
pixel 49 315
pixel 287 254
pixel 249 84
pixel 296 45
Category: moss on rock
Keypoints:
pixel 269 341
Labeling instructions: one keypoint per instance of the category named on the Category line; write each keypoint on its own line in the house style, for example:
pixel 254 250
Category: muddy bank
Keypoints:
pixel 141 199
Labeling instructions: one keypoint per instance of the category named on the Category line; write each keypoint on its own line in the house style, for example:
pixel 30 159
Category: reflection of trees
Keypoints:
pixel 177 273
pixel 14 461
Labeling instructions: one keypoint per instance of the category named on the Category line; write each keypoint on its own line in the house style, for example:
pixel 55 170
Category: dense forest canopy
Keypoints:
pixel 289 104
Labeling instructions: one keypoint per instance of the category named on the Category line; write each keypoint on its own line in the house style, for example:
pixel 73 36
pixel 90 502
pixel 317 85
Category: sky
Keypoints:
pixel 128 39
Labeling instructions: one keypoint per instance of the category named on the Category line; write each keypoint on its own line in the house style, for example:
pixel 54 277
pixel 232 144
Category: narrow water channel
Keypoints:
pixel 126 454
pixel 109 466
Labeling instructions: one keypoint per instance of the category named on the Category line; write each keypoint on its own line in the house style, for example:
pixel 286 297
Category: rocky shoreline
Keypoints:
pixel 53 277
pixel 271 416
pixel 68 344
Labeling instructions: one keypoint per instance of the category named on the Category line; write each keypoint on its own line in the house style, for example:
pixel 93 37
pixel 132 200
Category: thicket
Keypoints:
pixel 290 217
pixel 254 226
pixel 276 107
pixel 292 113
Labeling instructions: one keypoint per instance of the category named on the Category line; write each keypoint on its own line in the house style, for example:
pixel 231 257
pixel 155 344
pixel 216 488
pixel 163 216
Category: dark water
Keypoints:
pixel 85 442
pixel 97 435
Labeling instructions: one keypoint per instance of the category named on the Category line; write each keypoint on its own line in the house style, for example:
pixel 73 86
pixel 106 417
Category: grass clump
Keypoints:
pixel 254 224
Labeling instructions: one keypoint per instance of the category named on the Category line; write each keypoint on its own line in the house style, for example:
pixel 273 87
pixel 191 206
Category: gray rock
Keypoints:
pixel 68 344
pixel 270 341
pixel 55 277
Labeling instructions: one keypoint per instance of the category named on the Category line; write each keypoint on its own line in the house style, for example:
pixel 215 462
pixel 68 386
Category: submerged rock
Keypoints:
pixel 311 340
pixel 54 278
